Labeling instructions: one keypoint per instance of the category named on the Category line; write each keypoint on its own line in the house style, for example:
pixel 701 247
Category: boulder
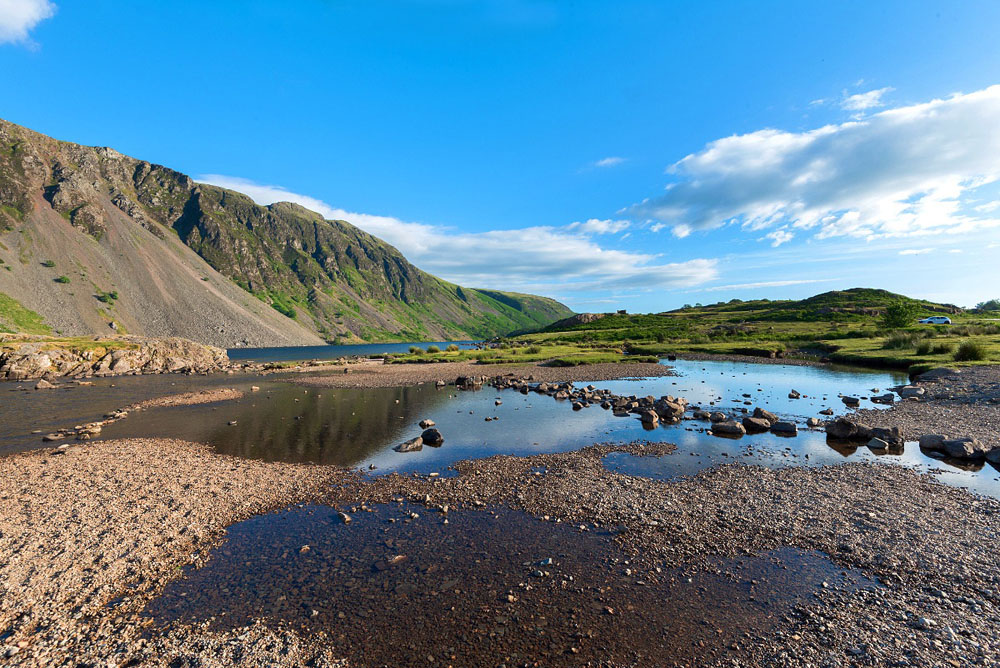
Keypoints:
pixel 785 428
pixel 755 425
pixel 794 395
pixel 44 385
pixel 813 423
pixel 889 398
pixel 846 430
pixel 910 392
pixel 426 423
pixel 717 417
pixel 851 402
pixel 932 442
pixel 412 445
pixel 432 437
pixel 728 428
pixel 669 409
pixel 649 416
pixel 964 448
pixel 765 415
pixel 878 444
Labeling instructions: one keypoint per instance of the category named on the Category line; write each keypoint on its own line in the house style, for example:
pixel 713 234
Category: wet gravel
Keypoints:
pixel 376 374
pixel 966 403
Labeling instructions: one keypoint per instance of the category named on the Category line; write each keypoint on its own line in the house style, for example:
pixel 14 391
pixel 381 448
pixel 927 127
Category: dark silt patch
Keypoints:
pixel 399 586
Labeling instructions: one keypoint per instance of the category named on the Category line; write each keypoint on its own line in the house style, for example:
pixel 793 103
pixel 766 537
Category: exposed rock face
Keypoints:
pixel 45 358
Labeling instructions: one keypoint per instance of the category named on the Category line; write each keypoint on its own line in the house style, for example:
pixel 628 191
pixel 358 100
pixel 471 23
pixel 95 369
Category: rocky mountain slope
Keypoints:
pixel 92 240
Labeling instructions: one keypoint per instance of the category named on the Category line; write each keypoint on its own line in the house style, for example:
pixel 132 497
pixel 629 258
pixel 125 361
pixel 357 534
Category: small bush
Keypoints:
pixel 433 349
pixel 970 351
pixel 416 350
pixel 62 279
pixel 900 341
pixel 532 350
pixel 452 348
pixel 943 349
pixel 49 264
pixel 924 348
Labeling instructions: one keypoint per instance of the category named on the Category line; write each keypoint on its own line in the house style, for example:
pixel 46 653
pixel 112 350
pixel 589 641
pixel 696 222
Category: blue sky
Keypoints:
pixel 636 155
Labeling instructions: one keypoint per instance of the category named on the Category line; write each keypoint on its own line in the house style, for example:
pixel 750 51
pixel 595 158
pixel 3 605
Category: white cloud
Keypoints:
pixel 916 251
pixel 610 161
pixel 596 226
pixel 768 284
pixel 543 259
pixel 863 101
pixel 779 237
pixel 902 172
pixel 18 17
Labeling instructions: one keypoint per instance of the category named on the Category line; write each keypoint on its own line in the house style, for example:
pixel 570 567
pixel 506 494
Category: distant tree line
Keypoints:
pixel 991 305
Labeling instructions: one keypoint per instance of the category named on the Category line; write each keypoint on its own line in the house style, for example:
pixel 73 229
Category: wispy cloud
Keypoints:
pixel 610 161
pixel 916 251
pixel 596 226
pixel 544 259
pixel 863 101
pixel 902 172
pixel 19 17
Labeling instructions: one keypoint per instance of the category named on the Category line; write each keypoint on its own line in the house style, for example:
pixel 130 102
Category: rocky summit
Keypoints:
pixel 96 242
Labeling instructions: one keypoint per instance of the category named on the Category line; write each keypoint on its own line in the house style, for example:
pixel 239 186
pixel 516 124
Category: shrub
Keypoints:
pixel 452 348
pixel 924 348
pixel 901 313
pixel 433 349
pixel 900 340
pixel 49 264
pixel 533 350
pixel 943 349
pixel 970 351
pixel 416 350
pixel 62 279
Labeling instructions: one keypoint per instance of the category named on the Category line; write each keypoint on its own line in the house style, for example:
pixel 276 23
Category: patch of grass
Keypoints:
pixel 61 279
pixel 15 318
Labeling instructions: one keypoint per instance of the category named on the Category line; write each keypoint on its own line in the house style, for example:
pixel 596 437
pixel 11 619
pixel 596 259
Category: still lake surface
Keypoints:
pixel 300 353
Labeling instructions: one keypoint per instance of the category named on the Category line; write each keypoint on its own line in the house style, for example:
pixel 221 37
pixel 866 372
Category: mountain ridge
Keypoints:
pixel 324 279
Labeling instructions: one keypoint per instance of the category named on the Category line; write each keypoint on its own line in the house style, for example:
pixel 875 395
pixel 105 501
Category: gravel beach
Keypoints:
pixel 377 374
pixel 90 536
pixel 966 403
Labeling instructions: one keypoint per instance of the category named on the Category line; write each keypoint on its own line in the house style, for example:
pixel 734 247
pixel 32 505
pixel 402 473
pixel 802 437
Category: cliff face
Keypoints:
pixel 149 250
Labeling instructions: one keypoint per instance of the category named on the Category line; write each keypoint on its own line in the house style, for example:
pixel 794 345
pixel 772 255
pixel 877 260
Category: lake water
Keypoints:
pixel 358 428
pixel 301 353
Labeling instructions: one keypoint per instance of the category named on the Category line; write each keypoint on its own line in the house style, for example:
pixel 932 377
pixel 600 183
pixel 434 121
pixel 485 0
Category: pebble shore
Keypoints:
pixel 90 535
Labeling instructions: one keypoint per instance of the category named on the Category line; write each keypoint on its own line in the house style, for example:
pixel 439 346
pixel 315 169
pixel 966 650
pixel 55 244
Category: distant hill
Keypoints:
pixel 91 240
pixel 854 306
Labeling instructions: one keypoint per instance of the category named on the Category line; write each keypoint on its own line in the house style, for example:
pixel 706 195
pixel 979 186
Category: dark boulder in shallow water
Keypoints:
pixel 432 437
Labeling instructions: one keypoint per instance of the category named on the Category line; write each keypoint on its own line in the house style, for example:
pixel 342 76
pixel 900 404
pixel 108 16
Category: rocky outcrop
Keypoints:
pixel 42 357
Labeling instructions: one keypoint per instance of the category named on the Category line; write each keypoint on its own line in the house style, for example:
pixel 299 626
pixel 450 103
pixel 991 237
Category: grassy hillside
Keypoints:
pixel 845 326
pixel 327 276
